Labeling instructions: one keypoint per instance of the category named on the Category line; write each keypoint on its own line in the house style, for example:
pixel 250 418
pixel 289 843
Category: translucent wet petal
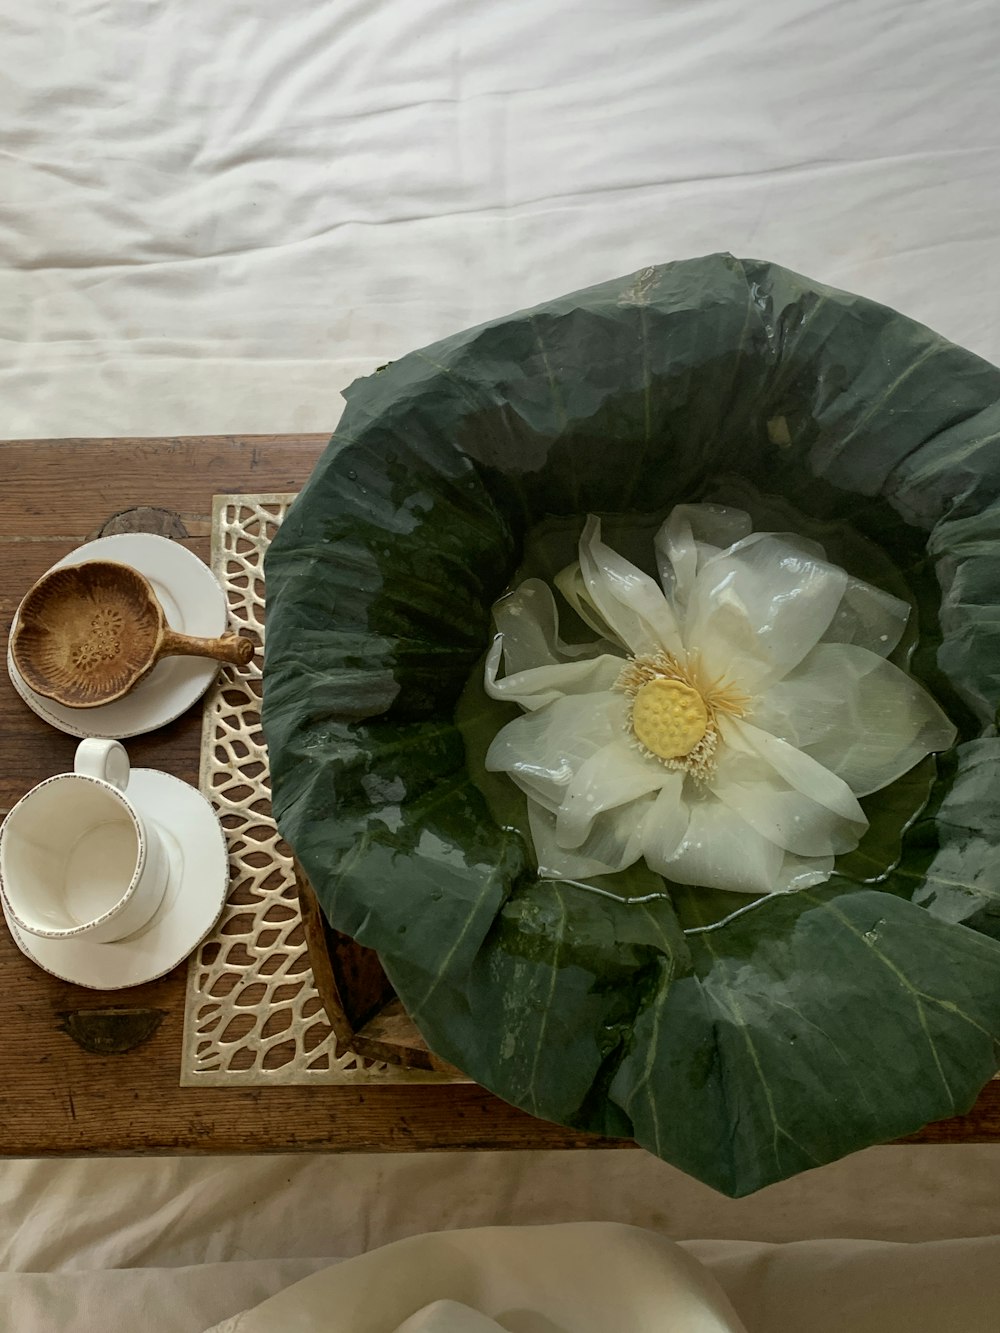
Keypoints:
pixel 666 822
pixel 615 836
pixel 549 745
pixel 538 666
pixel 757 609
pixel 613 843
pixel 630 601
pixel 720 849
pixel 797 768
pixel 691 535
pixel 572 585
pixel 613 776
pixel 543 685
pixel 555 862
pixel 857 715
pixel 866 615
pixel 802 872
pixel 869 617
pixel 787 797
pixel 528 622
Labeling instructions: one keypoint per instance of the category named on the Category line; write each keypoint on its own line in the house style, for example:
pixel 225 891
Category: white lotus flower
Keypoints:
pixel 723 725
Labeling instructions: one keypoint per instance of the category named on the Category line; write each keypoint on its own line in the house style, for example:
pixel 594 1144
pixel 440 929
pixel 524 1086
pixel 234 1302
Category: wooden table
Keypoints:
pixel 58 1097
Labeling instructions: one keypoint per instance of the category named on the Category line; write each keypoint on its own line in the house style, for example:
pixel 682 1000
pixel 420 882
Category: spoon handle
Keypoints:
pixel 227 648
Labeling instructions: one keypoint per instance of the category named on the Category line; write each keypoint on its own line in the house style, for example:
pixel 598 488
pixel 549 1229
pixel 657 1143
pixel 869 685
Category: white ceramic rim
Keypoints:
pixel 88 927
pixel 137 956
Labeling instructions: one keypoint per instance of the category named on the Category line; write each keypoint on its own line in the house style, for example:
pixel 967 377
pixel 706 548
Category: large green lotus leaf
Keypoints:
pixel 784 1046
pixel 960 881
pixel 742 1040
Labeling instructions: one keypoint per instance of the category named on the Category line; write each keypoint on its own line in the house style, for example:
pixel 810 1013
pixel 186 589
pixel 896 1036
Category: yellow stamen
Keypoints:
pixel 668 717
pixel 675 711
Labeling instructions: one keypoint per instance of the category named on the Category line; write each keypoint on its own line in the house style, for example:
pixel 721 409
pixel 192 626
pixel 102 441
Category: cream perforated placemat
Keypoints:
pixel 251 1013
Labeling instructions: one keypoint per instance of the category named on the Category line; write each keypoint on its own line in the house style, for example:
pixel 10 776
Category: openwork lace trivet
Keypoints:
pixel 251 1012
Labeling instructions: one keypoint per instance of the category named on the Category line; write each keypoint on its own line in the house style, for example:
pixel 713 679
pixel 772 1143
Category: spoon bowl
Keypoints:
pixel 87 634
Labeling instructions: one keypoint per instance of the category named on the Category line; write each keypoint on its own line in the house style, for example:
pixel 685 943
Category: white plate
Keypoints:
pixel 194 604
pixel 192 903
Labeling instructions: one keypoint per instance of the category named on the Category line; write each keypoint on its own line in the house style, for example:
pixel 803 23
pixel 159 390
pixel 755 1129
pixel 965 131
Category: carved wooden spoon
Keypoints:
pixel 87 634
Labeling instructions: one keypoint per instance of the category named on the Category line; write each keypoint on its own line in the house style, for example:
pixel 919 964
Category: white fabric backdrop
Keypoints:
pixel 214 216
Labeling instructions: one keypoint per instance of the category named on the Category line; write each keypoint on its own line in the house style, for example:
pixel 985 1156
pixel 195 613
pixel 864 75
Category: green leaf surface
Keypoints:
pixel 961 880
pixel 743 1040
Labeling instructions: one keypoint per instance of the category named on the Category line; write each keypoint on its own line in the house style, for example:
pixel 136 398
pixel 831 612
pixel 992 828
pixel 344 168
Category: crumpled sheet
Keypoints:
pixel 90 1245
pixel 594 1278
pixel 584 1277
pixel 214 216
pixel 825 1286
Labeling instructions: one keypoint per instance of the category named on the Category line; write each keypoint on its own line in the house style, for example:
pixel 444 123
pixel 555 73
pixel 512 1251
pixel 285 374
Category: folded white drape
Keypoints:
pixel 585 1277
pixel 817 1286
pixel 599 1278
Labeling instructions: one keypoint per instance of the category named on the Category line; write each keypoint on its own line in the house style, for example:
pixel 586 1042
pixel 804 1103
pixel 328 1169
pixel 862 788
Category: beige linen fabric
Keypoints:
pixel 851 1286
pixel 577 1278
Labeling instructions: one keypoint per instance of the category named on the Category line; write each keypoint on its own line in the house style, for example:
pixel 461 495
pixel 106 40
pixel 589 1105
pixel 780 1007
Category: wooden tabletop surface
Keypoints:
pixel 56 1096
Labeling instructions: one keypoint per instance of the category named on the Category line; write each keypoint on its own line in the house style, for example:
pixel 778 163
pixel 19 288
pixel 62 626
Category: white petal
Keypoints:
pixel 614 776
pixel 720 850
pixel 545 684
pixel 538 665
pixel 613 843
pixel 615 837
pixel 630 601
pixel 571 584
pixel 691 535
pixel 799 770
pixel 787 797
pixel 555 862
pixel 666 822
pixel 868 617
pixel 543 750
pixel 856 714
pixel 801 872
pixel 786 818
pixel 757 609
pixel 528 622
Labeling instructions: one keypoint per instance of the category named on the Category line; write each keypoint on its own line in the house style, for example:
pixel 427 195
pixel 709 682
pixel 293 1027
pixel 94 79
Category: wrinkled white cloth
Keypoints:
pixel 214 216
pixel 585 1277
pixel 850 1286
pixel 823 1286
pixel 448 1317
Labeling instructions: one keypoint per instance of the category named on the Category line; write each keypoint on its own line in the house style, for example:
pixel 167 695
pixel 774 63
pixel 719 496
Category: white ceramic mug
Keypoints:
pixel 77 859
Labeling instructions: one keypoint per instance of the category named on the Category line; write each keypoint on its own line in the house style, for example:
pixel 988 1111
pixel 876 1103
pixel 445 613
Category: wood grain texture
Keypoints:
pixel 362 1008
pixel 349 978
pixel 58 1098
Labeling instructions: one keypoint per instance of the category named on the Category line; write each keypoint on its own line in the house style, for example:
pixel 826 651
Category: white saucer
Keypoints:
pixel 194 604
pixel 192 903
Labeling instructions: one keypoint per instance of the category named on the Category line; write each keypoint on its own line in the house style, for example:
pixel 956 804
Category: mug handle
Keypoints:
pixel 105 760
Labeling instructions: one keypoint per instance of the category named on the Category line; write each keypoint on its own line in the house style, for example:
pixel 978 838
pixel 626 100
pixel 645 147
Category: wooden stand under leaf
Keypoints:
pixel 361 1005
